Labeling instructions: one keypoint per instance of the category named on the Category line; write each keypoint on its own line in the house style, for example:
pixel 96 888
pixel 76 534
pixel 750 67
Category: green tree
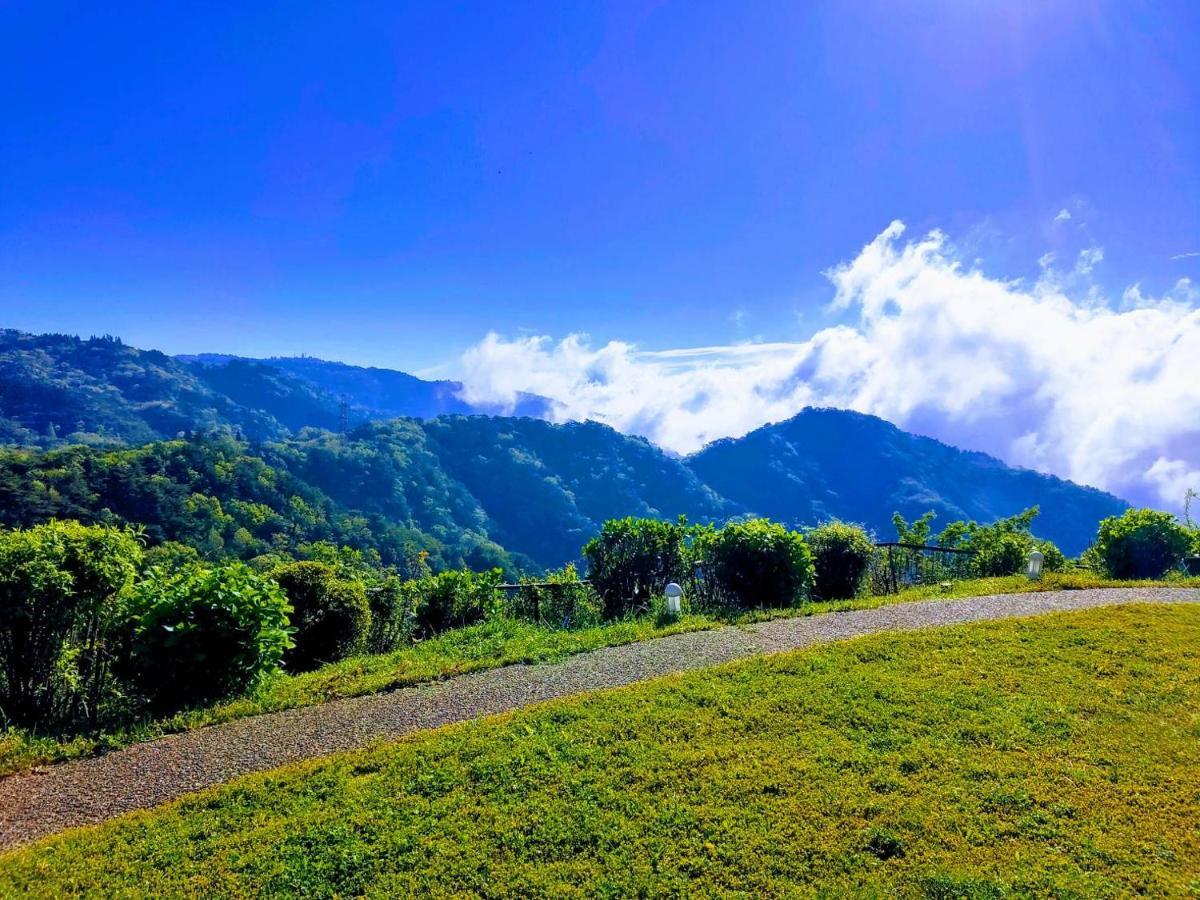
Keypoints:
pixel 1141 543
pixel 331 616
pixel 203 633
pixel 1003 547
pixel 756 564
pixel 917 533
pixel 841 556
pixel 61 589
pixel 632 560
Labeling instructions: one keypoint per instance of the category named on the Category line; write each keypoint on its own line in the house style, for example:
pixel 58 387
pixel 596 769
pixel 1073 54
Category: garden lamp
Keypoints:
pixel 674 592
pixel 1036 558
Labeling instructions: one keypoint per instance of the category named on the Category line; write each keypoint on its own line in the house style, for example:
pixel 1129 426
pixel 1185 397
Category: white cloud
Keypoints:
pixel 1190 255
pixel 1071 385
pixel 1064 215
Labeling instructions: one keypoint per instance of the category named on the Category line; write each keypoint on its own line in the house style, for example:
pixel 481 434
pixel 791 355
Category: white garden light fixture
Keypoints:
pixel 674 593
pixel 1036 558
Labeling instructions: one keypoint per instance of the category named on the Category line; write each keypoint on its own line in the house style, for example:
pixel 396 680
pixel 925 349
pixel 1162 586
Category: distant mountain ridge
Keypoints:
pixel 369 393
pixel 100 390
pixel 836 464
pixel 535 489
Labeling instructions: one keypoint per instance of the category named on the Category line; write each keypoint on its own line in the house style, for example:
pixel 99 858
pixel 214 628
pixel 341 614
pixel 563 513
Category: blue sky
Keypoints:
pixel 979 219
pixel 385 183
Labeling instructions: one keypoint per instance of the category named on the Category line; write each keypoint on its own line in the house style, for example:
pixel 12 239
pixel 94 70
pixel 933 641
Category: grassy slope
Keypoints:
pixel 1056 755
pixel 467 650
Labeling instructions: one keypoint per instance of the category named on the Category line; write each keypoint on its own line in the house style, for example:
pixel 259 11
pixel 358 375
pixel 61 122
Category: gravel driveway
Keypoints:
pixel 145 775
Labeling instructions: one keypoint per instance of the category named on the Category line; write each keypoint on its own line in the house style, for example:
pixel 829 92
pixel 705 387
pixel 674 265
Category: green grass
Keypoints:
pixel 1052 756
pixel 493 644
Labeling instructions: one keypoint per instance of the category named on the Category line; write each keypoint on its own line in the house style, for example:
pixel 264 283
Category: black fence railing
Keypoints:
pixel 896 566
pixel 554 603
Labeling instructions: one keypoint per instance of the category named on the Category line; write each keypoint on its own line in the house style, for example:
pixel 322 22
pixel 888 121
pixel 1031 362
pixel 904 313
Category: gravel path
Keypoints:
pixel 145 775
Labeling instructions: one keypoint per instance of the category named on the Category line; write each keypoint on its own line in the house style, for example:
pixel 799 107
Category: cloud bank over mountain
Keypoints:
pixel 1050 375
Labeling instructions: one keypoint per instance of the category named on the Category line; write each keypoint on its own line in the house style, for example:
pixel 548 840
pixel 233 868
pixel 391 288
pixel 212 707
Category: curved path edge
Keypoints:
pixel 149 774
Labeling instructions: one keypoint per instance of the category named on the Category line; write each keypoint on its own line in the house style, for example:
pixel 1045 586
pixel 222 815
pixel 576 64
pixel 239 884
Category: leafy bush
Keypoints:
pixel 204 633
pixel 453 599
pixel 632 560
pixel 1001 554
pixel 61 587
pixel 557 598
pixel 915 533
pixel 1141 543
pixel 756 564
pixel 841 556
pixel 1003 547
pixel 393 603
pixel 330 615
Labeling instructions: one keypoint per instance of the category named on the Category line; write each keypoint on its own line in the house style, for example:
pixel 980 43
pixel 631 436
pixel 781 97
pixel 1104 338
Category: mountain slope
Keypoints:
pixel 468 481
pixel 548 488
pixel 521 494
pixel 60 388
pixel 55 387
pixel 303 390
pixel 827 463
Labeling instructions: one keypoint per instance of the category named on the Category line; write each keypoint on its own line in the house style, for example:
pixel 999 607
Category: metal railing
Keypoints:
pixel 543 602
pixel 896 566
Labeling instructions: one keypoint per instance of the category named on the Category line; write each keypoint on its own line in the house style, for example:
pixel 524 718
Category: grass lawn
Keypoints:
pixel 486 646
pixel 1055 756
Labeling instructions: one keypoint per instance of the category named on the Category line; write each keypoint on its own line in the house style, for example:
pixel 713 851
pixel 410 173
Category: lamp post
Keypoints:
pixel 674 593
pixel 1036 558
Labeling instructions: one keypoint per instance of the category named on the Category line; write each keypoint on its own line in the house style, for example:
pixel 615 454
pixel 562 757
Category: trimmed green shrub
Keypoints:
pixel 331 615
pixel 204 633
pixel 454 599
pixel 632 560
pixel 1141 543
pixel 841 555
pixel 558 599
pixel 1001 554
pixel 756 564
pixel 393 603
pixel 61 589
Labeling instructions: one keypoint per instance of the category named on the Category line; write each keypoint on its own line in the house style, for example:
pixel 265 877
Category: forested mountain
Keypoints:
pixel 56 388
pixel 267 433
pixel 829 463
pixel 548 488
pixel 286 387
pixel 532 493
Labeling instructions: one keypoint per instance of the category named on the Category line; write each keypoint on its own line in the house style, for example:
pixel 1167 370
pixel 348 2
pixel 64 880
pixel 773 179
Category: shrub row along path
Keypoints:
pixel 145 775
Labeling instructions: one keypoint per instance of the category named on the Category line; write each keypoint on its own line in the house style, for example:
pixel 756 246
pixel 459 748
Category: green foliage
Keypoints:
pixel 1051 757
pixel 917 532
pixel 61 589
pixel 169 555
pixel 558 599
pixel 836 464
pixel 330 615
pixel 297 497
pixel 841 556
pixel 202 633
pixel 1003 547
pixel 1141 543
pixel 454 599
pixel 393 606
pixel 498 641
pixel 756 564
pixel 632 560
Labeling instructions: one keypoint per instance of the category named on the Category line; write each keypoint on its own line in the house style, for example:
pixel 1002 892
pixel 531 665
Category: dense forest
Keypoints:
pixel 244 457
pixel 834 464
pixel 520 494
pixel 56 389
